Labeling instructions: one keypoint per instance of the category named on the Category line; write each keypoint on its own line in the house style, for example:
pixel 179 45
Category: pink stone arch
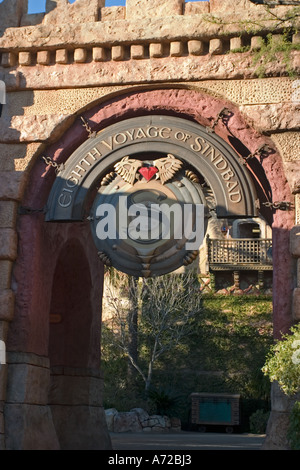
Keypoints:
pixel 41 260
pixel 204 109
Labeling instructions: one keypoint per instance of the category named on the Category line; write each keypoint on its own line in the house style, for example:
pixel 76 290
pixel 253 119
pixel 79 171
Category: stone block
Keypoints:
pixel 59 12
pixel 8 211
pixel 43 57
pixel 176 48
pixel 8 59
pixel 277 431
pixel 229 6
pixel 12 185
pixel 2 442
pixel 99 54
pixel 5 274
pixel 295 241
pixel 61 56
pixel 3 383
pixel 280 401
pixel 27 382
pixel 296 304
pixel 80 55
pixel 127 421
pixel 156 50
pixel 296 38
pixel 256 42
pixel 113 13
pixel 117 53
pixel 75 390
pixel 139 9
pixel 215 46
pixel 29 427
pixel 235 43
pixel 81 427
pixel 195 47
pixel 110 417
pixel 24 58
pixel 9 243
pixel 137 51
pixel 197 8
pixel 7 303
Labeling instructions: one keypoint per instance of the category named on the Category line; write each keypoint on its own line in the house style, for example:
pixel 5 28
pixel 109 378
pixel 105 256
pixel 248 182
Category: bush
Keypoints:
pixel 283 362
pixel 258 421
pixel 293 434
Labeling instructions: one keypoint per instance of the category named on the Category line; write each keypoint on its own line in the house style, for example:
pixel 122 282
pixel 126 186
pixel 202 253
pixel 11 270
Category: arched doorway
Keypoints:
pixel 44 244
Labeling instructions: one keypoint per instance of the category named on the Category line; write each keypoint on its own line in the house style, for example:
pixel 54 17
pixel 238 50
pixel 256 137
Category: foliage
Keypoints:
pixel 258 421
pixel 165 401
pixel 224 352
pixel 269 49
pixel 168 305
pixel 270 20
pixel 277 45
pixel 283 362
pixel 293 433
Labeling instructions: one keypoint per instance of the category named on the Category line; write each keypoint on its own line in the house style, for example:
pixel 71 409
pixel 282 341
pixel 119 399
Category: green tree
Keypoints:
pixel 166 308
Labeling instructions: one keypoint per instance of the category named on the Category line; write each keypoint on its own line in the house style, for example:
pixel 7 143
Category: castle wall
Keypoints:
pixel 108 63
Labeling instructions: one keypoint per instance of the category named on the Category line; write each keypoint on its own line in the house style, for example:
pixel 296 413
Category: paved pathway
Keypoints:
pixel 186 441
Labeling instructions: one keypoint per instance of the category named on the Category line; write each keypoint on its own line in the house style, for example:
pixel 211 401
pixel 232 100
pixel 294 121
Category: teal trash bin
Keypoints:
pixel 219 409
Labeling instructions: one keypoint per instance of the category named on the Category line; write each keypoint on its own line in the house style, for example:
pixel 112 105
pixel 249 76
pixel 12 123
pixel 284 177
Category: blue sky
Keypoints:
pixel 37 6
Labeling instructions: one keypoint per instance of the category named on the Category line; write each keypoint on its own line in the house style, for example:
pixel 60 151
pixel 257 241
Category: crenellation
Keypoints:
pixel 195 47
pixel 13 13
pixel 135 50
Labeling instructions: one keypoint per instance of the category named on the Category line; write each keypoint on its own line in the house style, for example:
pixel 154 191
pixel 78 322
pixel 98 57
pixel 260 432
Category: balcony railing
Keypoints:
pixel 240 254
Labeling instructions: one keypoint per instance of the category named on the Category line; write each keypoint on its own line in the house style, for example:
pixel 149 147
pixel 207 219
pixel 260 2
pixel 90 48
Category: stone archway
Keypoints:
pixel 39 262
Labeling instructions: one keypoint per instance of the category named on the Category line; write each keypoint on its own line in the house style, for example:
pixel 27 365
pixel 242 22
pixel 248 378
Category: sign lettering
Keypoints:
pixel 193 142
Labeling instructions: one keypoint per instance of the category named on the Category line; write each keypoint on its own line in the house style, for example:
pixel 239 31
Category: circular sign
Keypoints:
pixel 148 217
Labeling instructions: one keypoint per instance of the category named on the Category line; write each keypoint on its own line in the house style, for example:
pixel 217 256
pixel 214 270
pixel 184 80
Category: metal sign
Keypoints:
pixel 156 136
pixel 148 186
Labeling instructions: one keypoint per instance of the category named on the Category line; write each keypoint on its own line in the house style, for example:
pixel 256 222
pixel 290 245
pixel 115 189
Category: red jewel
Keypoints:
pixel 148 172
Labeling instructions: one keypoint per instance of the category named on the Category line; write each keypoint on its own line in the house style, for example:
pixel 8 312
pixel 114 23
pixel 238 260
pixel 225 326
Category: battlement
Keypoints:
pixel 13 13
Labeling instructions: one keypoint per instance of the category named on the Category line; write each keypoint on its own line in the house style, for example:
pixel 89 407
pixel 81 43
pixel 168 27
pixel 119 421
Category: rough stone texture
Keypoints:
pixel 243 92
pixel 138 420
pixel 276 432
pixel 8 246
pixel 289 144
pixel 279 420
pixel 295 241
pixel 113 13
pixel 6 305
pixel 29 427
pixel 81 427
pixel 28 379
pixel 196 8
pixel 73 13
pixel 296 304
pixel 5 274
pixel 75 389
pixel 136 9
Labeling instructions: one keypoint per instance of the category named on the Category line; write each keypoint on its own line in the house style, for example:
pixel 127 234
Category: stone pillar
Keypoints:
pixel 279 420
pixel 27 416
pixel 281 403
pixel 8 252
pixel 76 404
pixel 295 251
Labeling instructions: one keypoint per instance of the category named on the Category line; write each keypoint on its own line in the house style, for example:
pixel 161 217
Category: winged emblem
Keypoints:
pixel 167 167
pixel 127 169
